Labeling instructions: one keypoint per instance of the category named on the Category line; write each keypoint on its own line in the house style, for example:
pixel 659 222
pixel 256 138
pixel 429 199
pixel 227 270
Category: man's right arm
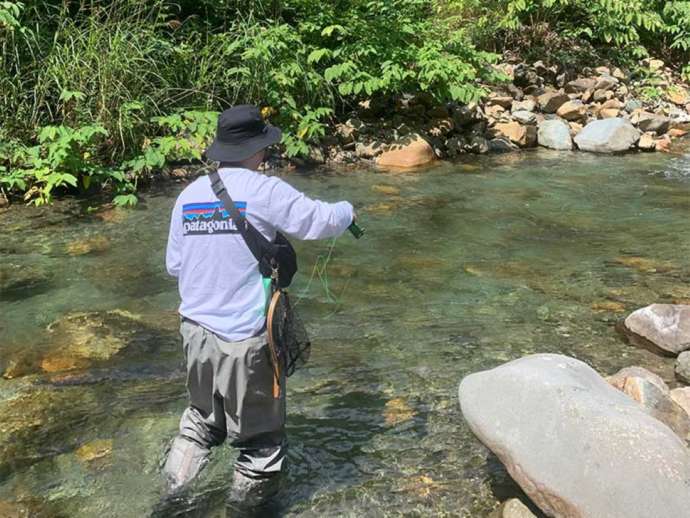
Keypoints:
pixel 299 216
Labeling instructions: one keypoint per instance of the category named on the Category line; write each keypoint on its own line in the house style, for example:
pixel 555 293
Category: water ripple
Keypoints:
pixel 677 168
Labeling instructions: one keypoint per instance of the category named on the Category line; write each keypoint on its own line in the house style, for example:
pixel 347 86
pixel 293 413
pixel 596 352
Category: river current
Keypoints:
pixel 463 266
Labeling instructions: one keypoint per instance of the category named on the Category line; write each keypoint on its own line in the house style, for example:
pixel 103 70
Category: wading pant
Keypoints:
pixel 230 386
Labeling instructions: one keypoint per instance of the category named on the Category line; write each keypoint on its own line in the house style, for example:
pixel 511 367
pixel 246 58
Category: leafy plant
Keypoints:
pixel 61 159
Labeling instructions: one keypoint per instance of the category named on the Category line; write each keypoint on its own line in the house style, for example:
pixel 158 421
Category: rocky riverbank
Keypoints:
pixel 603 109
pixel 581 445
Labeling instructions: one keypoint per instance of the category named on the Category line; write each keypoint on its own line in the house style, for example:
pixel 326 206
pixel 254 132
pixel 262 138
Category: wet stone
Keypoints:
pixel 621 378
pixel 9 509
pixel 682 397
pixel 422 486
pixel 608 305
pixel 90 245
pixel 666 326
pixel 512 508
pixel 19 366
pixel 653 394
pixel 682 367
pixel 19 280
pixel 80 339
pixel 29 428
pixel 389 190
pixel 113 215
pixel 97 450
pixel 644 264
pixel 398 411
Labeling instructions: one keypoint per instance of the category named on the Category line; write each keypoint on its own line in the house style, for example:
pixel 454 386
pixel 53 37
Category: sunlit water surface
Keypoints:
pixel 463 267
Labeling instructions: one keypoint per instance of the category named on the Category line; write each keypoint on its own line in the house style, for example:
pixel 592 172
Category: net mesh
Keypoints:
pixel 288 334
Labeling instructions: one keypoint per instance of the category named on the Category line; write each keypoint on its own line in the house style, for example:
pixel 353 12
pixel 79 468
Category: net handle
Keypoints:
pixel 272 343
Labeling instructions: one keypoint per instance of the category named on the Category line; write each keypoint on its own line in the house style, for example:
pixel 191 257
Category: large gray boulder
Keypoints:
pixel 667 326
pixel 607 136
pixel 554 134
pixel 577 446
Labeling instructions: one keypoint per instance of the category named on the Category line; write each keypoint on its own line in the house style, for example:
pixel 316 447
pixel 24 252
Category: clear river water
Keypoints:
pixel 464 266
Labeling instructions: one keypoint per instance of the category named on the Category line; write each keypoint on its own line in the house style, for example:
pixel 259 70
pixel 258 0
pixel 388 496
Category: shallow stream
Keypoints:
pixel 463 267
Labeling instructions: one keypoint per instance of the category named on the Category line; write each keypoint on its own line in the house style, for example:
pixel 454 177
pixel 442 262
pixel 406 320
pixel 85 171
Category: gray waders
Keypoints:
pixel 230 386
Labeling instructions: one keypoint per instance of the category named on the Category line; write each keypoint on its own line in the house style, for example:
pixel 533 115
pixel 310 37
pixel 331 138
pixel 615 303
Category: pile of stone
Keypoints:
pixel 598 111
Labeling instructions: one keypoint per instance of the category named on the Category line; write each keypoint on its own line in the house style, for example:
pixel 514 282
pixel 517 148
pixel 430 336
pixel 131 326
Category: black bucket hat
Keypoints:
pixel 241 133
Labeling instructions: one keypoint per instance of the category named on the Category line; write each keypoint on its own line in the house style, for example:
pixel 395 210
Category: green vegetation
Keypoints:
pixel 104 93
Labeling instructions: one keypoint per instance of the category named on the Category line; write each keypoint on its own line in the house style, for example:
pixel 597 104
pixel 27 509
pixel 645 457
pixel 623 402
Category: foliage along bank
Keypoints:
pixel 106 93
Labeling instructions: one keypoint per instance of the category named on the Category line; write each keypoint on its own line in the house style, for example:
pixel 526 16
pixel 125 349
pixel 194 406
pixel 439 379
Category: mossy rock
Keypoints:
pixel 94 336
pixel 89 245
pixel 35 419
pixel 19 280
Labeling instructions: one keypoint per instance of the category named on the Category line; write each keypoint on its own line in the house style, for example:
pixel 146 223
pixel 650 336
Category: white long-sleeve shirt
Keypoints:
pixel 219 280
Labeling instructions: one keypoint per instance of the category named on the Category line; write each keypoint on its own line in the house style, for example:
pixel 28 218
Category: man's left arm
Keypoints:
pixel 173 254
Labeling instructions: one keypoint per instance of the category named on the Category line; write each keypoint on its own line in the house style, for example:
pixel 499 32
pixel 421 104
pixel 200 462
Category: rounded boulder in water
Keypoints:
pixel 577 446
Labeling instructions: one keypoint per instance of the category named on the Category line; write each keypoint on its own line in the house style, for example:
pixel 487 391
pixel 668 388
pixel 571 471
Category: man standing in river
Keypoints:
pixel 229 372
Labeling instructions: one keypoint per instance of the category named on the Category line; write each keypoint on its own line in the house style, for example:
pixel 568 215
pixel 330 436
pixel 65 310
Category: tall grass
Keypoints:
pixel 103 64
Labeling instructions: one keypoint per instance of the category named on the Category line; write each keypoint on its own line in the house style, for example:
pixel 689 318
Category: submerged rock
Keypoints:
pixel 608 305
pixel 667 326
pixel 554 134
pixel 398 411
pixel 32 421
pixel 19 280
pixel 78 341
pixel 389 190
pixel 577 446
pixel 93 335
pixel 607 136
pixel 90 245
pixel 644 264
pixel 97 450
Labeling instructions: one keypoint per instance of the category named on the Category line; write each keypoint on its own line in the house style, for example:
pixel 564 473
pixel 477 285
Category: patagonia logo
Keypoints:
pixel 209 218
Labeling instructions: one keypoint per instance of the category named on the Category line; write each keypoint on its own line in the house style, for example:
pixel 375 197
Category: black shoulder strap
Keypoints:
pixel 240 221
